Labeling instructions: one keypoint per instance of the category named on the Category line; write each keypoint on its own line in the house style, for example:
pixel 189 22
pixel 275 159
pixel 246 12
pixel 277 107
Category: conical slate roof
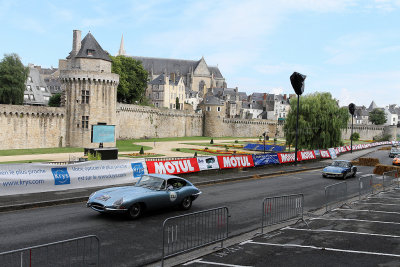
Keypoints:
pixel 90 48
pixel 372 106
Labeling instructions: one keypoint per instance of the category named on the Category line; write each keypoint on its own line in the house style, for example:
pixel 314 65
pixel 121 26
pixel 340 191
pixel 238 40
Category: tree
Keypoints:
pixel 177 103
pixel 55 100
pixel 132 80
pixel 320 122
pixel 355 136
pixel 13 75
pixel 377 116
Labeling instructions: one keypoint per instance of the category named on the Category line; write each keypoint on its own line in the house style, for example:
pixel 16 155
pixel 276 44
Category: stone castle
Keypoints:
pixel 90 99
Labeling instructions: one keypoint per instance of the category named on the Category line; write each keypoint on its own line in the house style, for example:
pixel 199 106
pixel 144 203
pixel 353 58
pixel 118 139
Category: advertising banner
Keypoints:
pixel 40 177
pixel 337 151
pixel 348 148
pixel 173 166
pixel 343 149
pixel 332 153
pixel 286 157
pixel 242 161
pixel 207 163
pixel 325 154
pixel 306 155
pixel 316 152
pixel 265 159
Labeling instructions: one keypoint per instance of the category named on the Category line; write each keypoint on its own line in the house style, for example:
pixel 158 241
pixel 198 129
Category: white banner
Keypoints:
pixel 208 163
pixel 39 177
pixel 332 152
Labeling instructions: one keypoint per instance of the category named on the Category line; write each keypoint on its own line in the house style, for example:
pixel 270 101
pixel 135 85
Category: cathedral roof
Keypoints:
pixel 169 65
pixel 160 80
pixel 90 48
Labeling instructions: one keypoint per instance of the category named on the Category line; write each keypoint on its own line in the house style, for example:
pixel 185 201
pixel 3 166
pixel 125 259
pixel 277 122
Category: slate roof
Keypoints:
pixel 372 106
pixel 160 80
pixel 90 43
pixel 169 65
pixel 212 100
pixel 35 93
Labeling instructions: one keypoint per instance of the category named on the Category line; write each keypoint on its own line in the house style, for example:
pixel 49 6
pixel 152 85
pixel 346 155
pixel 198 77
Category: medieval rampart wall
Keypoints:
pixel 31 127
pixel 367 132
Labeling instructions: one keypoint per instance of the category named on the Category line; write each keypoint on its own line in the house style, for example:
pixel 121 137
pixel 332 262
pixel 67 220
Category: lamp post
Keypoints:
pixel 264 134
pixel 352 108
pixel 297 81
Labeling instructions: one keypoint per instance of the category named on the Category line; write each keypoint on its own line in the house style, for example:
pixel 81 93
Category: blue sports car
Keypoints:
pixel 152 191
pixel 341 169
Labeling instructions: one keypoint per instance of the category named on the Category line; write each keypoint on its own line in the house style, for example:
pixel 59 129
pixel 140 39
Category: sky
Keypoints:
pixel 350 48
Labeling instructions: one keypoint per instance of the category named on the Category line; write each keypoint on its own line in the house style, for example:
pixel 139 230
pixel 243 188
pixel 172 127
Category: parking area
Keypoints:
pixel 364 233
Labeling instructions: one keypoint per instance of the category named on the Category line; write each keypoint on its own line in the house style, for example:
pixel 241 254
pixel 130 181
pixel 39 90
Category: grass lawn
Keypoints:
pixel 142 156
pixel 188 150
pixel 25 161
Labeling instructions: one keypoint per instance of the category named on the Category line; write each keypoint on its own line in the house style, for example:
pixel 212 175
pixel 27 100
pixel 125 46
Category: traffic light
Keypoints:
pixel 297 81
pixel 352 108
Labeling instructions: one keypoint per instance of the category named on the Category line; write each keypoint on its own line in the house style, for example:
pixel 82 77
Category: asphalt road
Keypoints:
pixel 134 243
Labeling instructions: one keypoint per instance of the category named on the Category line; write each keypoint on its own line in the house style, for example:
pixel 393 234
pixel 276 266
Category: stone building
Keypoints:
pixel 166 90
pixel 90 90
pixel 36 91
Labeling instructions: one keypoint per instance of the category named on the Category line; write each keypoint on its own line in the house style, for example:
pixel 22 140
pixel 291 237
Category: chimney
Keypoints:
pixel 172 77
pixel 76 42
pixel 284 97
pixel 236 90
pixel 265 96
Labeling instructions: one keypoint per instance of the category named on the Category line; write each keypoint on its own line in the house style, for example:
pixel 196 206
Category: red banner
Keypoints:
pixel 306 155
pixel 325 154
pixel 242 161
pixel 286 157
pixel 173 166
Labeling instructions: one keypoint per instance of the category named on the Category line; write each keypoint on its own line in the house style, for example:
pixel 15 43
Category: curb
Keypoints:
pixel 43 204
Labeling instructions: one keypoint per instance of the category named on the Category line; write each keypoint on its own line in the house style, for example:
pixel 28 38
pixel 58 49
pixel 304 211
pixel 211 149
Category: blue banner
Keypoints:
pixel 265 159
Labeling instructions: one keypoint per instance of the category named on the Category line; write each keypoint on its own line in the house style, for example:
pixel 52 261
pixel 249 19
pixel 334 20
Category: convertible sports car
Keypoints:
pixel 396 160
pixel 341 169
pixel 152 191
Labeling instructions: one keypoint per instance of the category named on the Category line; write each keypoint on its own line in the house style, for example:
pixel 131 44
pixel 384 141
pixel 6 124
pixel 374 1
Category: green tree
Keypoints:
pixel 177 103
pixel 55 100
pixel 377 116
pixel 132 80
pixel 355 136
pixel 320 122
pixel 13 75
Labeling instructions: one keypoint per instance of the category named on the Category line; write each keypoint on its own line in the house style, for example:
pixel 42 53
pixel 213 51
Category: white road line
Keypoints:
pixel 323 248
pixel 383 204
pixel 384 198
pixel 343 232
pixel 213 263
pixel 373 211
pixel 365 175
pixel 353 220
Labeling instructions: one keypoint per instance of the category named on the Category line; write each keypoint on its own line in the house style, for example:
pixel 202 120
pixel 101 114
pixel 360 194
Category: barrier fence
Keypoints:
pixel 187 232
pixel 279 209
pixel 80 251
pixel 390 178
pixel 365 186
pixel 335 194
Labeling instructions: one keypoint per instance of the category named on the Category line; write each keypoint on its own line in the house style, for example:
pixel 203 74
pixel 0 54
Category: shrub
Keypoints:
pixel 385 137
pixel 178 149
pixel 226 148
pixel 94 156
pixel 355 136
pixel 206 148
pixel 195 154
pixel 236 141
pixel 141 152
pixel 212 141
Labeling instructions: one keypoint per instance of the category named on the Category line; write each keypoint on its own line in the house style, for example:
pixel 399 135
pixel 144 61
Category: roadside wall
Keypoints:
pixel 367 132
pixel 31 127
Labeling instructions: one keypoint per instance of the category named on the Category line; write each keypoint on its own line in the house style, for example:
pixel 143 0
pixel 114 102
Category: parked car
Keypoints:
pixel 396 160
pixel 394 151
pixel 340 169
pixel 151 192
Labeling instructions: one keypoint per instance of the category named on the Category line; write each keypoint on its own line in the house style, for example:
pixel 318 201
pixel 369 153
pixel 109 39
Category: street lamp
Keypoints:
pixel 352 108
pixel 264 134
pixel 297 81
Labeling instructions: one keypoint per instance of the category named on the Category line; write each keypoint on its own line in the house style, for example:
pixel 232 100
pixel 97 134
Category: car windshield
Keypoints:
pixel 150 182
pixel 342 164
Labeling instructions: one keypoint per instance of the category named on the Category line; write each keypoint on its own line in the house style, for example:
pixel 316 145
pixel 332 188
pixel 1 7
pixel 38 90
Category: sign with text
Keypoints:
pixel 173 166
pixel 306 155
pixel 103 133
pixel 265 159
pixel 207 163
pixel 325 154
pixel 240 161
pixel 332 152
pixel 286 157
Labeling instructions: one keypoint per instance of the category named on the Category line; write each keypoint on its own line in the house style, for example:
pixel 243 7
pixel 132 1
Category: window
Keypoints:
pixel 28 87
pixel 85 122
pixel 90 52
pixel 43 89
pixel 26 97
pixel 46 98
pixel 218 109
pixel 85 97
pixel 208 108
pixel 157 104
pixel 32 97
pixel 29 79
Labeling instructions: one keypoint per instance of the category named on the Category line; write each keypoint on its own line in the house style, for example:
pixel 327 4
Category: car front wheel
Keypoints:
pixel 344 176
pixel 135 211
pixel 186 203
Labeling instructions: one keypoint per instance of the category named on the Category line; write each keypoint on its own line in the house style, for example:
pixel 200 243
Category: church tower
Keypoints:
pixel 121 51
pixel 90 90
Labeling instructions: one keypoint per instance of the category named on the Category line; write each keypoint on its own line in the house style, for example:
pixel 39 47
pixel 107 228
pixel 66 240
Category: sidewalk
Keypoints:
pixel 24 201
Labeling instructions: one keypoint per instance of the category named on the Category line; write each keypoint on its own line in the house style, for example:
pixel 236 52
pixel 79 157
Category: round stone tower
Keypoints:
pixel 90 90
pixel 214 112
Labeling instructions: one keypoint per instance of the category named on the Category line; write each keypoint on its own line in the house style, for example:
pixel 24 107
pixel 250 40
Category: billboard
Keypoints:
pixel 103 133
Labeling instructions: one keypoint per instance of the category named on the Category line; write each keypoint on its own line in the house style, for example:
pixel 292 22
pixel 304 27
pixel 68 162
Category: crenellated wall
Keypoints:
pixel 368 132
pixel 31 127
pixel 135 121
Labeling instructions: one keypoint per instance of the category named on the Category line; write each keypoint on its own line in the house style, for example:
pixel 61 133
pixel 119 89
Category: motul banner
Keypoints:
pixel 242 161
pixel 286 157
pixel 306 155
pixel 325 154
pixel 337 150
pixel 173 166
pixel 348 148
pixel 343 149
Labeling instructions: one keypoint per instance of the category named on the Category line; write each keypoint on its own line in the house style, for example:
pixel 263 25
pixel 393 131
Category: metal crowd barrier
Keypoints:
pixel 366 186
pixel 190 231
pixel 279 209
pixel 389 178
pixel 335 194
pixel 80 251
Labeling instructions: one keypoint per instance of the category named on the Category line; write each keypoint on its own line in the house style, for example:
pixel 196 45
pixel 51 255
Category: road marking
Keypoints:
pixel 353 220
pixel 343 232
pixel 384 198
pixel 383 204
pixel 213 263
pixel 324 248
pixel 365 175
pixel 374 211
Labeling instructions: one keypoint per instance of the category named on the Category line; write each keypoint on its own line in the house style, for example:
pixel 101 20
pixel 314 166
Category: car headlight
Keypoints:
pixel 118 202
pixel 91 195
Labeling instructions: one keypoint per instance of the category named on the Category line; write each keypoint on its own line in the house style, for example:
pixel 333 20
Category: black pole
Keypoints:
pixel 297 128
pixel 351 136
pixel 264 143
